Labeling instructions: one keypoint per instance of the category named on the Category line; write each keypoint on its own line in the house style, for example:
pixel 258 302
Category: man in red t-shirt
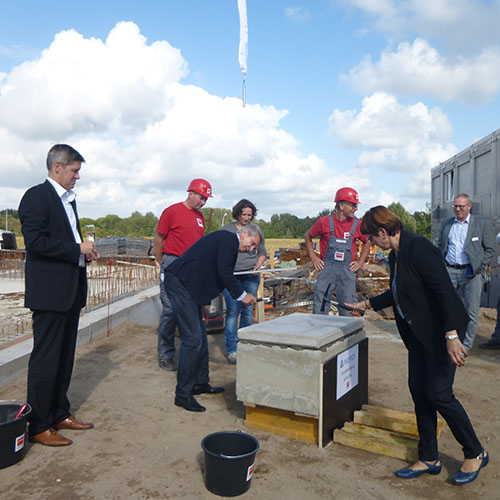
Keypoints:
pixel 338 234
pixel 180 225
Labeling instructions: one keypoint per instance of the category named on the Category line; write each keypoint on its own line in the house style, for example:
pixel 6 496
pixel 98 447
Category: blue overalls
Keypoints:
pixel 336 273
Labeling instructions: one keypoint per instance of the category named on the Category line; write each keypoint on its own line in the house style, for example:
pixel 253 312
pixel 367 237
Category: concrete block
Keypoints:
pixel 280 361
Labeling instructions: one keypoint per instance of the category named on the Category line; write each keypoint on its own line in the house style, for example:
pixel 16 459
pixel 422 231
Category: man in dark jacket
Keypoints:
pixel 193 280
pixel 56 290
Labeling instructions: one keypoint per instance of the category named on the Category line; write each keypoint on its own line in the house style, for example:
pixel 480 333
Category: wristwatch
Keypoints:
pixel 453 336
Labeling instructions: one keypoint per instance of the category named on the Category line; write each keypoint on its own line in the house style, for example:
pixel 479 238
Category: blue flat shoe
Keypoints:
pixel 467 477
pixel 432 468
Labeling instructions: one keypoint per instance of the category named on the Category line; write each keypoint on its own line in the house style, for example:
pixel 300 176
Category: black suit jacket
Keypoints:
pixel 53 276
pixel 207 267
pixel 427 299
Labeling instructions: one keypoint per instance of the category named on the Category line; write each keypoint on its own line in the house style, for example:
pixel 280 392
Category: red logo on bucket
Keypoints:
pixel 19 443
pixel 250 472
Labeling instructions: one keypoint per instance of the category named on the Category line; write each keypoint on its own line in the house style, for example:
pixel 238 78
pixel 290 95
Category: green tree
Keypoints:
pixel 423 221
pixel 215 218
pixel 406 218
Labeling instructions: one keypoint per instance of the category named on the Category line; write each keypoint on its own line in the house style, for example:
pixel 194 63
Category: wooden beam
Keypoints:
pixel 282 422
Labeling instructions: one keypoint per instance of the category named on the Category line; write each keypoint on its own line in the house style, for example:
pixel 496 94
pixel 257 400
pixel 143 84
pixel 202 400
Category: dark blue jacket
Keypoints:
pixel 207 267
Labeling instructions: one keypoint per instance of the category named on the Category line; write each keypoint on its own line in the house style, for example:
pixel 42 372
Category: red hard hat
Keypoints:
pixel 347 194
pixel 201 186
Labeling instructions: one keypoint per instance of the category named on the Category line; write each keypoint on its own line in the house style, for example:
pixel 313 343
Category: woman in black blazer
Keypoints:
pixel 431 320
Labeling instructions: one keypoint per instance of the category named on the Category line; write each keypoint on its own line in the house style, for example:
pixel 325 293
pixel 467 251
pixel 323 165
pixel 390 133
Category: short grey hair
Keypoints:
pixel 63 154
pixel 464 195
pixel 251 228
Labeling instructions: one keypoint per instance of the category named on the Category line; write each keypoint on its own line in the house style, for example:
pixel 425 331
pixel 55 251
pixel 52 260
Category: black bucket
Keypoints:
pixel 229 462
pixel 13 435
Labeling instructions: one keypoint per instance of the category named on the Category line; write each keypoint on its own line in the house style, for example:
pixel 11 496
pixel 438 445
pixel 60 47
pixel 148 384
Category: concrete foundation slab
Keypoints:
pixel 143 308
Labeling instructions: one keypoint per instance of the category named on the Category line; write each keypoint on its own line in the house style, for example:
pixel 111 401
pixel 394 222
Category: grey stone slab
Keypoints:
pixel 310 331
pixel 287 374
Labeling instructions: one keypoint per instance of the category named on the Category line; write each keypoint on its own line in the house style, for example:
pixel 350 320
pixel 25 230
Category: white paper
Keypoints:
pixel 347 370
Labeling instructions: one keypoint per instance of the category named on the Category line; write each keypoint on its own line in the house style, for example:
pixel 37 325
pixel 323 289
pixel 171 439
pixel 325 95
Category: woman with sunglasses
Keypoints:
pixel 431 320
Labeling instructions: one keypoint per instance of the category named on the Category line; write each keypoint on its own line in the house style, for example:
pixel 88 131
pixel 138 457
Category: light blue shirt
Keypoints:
pixel 456 243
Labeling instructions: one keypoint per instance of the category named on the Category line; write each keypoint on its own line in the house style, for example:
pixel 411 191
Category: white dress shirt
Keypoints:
pixel 66 198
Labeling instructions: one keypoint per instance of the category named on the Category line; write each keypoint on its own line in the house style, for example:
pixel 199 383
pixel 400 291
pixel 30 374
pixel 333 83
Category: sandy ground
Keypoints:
pixel 144 447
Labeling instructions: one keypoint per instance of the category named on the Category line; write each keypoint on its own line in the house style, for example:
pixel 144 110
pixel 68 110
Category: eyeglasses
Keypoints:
pixel 351 204
pixel 460 207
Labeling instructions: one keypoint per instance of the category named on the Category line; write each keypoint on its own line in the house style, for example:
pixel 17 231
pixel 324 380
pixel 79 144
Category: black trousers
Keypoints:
pixel 430 378
pixel 51 365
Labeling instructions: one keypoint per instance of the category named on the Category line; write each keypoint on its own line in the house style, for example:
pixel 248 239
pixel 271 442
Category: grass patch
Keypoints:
pixel 277 243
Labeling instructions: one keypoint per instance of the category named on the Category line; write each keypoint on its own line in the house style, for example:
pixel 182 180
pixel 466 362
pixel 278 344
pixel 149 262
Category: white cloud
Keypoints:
pixel 418 68
pixel 463 25
pixel 396 138
pixel 297 14
pixel 145 135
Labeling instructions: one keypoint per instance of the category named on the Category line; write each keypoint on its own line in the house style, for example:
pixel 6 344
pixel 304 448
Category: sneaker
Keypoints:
pixel 232 358
pixel 167 364
pixel 489 345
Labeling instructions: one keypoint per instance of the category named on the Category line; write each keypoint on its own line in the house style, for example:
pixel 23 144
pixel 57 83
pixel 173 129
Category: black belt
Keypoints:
pixel 458 266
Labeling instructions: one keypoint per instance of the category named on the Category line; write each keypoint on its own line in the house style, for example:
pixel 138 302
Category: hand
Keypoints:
pixel 88 249
pixel 318 263
pixel 360 306
pixel 356 265
pixel 457 352
pixel 249 299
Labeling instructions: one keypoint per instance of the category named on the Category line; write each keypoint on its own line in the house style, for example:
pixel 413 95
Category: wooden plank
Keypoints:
pixel 383 434
pixel 283 423
pixel 386 418
pixel 259 308
pixel 397 449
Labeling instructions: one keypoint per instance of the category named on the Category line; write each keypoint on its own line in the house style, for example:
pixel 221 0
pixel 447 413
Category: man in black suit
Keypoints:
pixel 191 281
pixel 55 291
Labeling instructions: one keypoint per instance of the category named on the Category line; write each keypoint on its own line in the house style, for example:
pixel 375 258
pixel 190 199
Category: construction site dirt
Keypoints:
pixel 144 447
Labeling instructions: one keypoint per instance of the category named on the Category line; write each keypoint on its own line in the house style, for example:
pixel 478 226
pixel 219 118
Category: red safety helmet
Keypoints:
pixel 201 186
pixel 347 194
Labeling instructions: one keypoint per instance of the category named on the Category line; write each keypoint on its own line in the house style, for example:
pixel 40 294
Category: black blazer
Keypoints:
pixel 207 267
pixel 427 298
pixel 52 254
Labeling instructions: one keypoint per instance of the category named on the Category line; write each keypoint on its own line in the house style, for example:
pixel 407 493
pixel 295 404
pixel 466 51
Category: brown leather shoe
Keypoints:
pixel 50 437
pixel 72 423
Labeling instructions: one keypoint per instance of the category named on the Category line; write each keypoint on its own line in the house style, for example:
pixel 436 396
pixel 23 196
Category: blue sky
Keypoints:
pixel 366 93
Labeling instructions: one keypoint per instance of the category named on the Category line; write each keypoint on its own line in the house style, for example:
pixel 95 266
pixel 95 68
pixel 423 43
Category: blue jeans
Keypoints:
pixel 236 310
pixel 193 353
pixel 168 322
